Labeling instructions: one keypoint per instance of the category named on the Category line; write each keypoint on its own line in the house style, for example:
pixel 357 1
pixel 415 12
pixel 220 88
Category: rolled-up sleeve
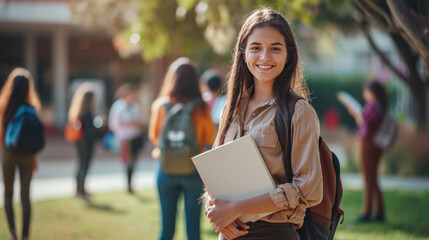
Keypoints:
pixel 306 189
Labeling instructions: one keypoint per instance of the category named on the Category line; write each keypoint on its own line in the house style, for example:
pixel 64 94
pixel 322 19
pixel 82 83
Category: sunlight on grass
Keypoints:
pixel 118 215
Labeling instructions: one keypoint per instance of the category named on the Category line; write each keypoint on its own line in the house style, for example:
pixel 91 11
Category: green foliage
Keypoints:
pixel 337 14
pixel 186 4
pixel 409 155
pixel 177 26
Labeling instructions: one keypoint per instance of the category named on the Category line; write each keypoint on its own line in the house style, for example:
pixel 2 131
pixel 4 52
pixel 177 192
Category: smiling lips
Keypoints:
pixel 265 67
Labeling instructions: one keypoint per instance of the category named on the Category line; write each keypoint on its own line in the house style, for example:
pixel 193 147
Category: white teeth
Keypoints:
pixel 264 67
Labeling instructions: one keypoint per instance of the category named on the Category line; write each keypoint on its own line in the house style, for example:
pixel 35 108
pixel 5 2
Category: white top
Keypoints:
pixel 216 111
pixel 121 115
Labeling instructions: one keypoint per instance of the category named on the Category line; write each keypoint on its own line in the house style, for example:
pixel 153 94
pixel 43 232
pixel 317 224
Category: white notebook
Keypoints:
pixel 350 102
pixel 235 171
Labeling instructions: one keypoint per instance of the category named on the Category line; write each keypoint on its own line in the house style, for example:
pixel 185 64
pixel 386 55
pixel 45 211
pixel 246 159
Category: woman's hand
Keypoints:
pixel 221 213
pixel 235 230
pixel 156 153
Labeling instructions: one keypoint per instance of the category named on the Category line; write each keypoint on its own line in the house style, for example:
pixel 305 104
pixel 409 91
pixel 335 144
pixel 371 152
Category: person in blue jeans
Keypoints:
pixel 180 87
pixel 169 189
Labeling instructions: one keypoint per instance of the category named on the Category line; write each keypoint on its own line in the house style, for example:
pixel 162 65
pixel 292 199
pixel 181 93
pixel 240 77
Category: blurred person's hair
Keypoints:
pixel 380 93
pixel 212 79
pixel 17 90
pixel 181 82
pixel 124 90
pixel 240 79
pixel 82 101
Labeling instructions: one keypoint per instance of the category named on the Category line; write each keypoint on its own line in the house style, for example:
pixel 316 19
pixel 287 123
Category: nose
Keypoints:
pixel 265 55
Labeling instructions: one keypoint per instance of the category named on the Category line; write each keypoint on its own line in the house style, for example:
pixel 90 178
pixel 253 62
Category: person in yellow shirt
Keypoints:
pixel 175 172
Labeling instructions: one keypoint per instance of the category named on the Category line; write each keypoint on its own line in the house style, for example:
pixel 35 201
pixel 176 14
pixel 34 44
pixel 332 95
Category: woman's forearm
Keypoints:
pixel 260 204
pixel 222 212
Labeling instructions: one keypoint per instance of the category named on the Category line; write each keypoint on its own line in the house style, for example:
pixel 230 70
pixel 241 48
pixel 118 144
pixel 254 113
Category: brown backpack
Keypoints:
pixel 320 221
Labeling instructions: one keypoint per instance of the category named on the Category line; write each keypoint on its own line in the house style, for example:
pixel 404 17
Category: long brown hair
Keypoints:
pixel 380 93
pixel 18 90
pixel 82 101
pixel 240 79
pixel 181 82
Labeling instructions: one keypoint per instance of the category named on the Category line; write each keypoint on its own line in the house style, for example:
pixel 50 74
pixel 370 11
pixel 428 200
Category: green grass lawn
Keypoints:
pixel 118 215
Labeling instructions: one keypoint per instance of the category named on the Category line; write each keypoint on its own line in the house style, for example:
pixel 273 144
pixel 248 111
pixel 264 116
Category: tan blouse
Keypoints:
pixel 306 189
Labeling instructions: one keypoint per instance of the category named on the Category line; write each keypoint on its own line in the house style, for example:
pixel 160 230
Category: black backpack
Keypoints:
pixel 24 133
pixel 320 221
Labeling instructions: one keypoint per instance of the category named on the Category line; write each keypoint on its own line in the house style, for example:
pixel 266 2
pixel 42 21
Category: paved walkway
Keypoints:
pixel 55 178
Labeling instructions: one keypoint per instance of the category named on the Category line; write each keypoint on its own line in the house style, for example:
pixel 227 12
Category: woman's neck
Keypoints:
pixel 262 92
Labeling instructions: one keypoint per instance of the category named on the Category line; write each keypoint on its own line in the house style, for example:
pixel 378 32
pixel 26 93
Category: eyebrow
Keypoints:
pixel 276 43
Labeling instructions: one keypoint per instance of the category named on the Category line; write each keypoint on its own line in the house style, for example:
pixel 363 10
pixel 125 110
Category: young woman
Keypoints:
pixel 82 110
pixel 265 70
pixel 370 155
pixel 180 86
pixel 17 91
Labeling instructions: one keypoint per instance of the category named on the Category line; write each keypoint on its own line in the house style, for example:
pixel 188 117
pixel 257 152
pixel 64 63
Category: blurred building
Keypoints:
pixel 42 36
pixel 333 52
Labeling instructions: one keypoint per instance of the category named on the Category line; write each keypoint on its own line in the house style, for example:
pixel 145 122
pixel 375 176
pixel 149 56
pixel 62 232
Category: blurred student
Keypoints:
pixel 81 112
pixel 265 73
pixel 126 122
pixel 214 98
pixel 375 108
pixel 180 127
pixel 17 92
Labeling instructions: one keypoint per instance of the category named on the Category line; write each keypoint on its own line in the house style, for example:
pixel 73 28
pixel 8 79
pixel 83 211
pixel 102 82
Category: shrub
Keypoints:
pixel 410 154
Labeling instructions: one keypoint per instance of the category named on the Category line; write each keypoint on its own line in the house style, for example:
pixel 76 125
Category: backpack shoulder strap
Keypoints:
pixel 167 106
pixel 189 106
pixel 21 110
pixel 283 127
pixel 14 126
pixel 173 109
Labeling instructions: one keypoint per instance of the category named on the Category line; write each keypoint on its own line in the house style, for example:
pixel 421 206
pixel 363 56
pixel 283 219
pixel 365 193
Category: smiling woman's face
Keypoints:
pixel 265 54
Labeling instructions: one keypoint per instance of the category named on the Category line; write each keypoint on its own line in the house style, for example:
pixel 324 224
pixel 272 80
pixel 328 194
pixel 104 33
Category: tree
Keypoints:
pixel 163 26
pixel 407 23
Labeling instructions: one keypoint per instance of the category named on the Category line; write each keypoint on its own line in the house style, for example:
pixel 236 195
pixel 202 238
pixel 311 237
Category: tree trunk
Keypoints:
pixel 415 31
pixel 414 81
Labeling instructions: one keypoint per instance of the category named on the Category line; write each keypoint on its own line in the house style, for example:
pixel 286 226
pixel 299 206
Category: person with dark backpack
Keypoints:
pixel 264 73
pixel 22 137
pixel 180 127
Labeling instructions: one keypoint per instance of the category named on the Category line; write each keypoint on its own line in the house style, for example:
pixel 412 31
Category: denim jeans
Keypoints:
pixel 169 189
